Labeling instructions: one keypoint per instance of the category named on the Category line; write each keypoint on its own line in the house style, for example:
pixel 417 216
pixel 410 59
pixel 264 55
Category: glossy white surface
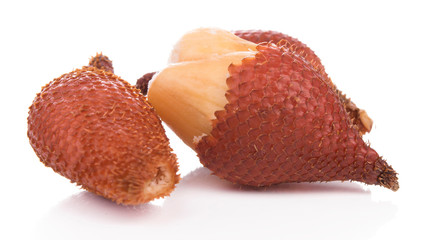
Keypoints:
pixel 371 49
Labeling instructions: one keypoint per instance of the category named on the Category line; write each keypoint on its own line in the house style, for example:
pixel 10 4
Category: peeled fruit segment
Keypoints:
pixel 280 120
pixel 205 42
pixel 98 131
pixel 187 94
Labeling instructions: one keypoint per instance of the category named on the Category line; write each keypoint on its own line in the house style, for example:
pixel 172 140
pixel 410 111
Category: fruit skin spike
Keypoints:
pixel 359 117
pixel 98 131
pixel 284 123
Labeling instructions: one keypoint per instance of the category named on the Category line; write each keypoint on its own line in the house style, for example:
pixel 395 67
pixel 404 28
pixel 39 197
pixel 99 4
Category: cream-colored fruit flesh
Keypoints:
pixel 162 182
pixel 207 42
pixel 192 88
pixel 186 95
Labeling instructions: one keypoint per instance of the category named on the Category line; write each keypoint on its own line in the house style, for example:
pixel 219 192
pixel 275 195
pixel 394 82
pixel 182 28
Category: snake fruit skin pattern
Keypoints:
pixel 98 131
pixel 284 123
pixel 259 36
pixel 359 117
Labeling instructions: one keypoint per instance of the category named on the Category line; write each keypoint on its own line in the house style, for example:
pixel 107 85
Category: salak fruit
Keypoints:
pixel 97 130
pixel 261 114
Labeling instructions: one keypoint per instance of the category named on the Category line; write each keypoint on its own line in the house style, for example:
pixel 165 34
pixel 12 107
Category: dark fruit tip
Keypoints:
pixel 143 82
pixel 388 177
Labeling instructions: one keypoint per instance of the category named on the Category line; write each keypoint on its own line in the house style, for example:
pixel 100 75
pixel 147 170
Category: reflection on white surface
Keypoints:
pixel 205 207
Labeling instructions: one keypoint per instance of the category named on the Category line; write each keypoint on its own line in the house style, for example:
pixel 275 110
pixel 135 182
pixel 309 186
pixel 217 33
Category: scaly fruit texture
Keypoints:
pixel 359 117
pixel 278 38
pixel 263 118
pixel 98 131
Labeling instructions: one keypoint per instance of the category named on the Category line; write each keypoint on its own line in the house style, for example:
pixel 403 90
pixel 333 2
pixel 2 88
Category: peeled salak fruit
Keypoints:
pixel 261 115
pixel 224 42
pixel 97 130
pixel 359 117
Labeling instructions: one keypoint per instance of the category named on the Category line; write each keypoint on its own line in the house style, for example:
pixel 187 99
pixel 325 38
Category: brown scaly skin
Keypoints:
pixel 287 126
pixel 259 36
pixel 98 131
pixel 359 117
pixel 101 62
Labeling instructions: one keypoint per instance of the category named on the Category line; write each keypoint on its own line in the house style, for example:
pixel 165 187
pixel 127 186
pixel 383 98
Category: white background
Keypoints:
pixel 371 49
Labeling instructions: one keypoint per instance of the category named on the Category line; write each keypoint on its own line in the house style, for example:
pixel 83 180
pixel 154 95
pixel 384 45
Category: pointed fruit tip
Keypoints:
pixel 388 177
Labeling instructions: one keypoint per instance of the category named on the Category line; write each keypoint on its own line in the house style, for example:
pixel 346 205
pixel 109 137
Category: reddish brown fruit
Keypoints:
pixel 358 116
pixel 262 115
pixel 101 62
pixel 284 123
pixel 98 131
